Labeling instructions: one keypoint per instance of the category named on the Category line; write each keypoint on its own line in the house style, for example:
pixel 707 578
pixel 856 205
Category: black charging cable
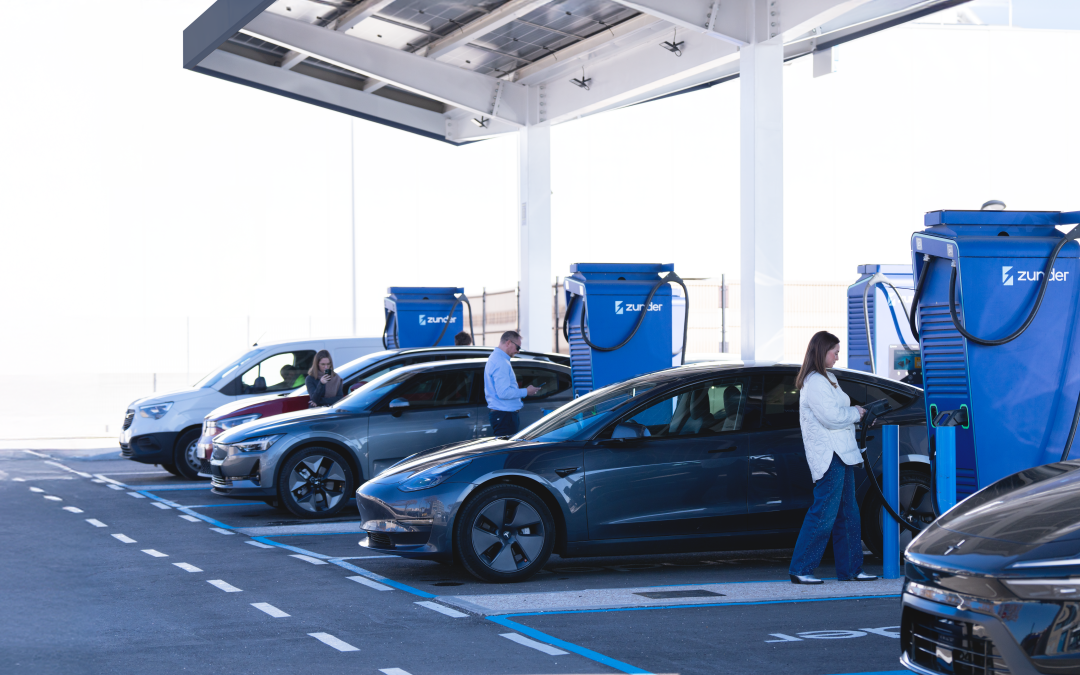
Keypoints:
pixel 386 327
pixel 918 294
pixel 670 277
pixel 446 324
pixel 875 409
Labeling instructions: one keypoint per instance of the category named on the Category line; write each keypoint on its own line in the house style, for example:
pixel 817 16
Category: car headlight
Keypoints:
pixel 231 422
pixel 255 444
pixel 429 478
pixel 1045 589
pixel 157 411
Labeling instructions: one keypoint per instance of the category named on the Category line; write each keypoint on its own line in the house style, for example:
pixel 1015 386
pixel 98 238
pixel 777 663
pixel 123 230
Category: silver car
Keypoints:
pixel 310 462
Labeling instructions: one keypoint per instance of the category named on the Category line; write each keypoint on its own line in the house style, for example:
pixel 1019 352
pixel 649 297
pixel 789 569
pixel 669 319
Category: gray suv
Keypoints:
pixel 311 461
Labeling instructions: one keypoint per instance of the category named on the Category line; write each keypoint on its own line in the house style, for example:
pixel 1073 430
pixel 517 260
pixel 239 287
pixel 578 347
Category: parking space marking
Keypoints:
pixel 191 519
pixel 136 495
pixel 442 610
pixel 36 489
pixel 165 507
pixel 259 544
pixel 52 498
pixel 156 554
pixel 124 538
pixel 187 568
pixel 95 522
pixel 227 587
pixel 328 639
pixel 393 671
pixel 378 577
pixel 73 509
pixel 370 584
pixel 68 468
pixel 269 609
pixel 115 487
pixel 38 454
pixel 306 558
pixel 96 480
pixel 538 646
pixel 19 480
pixel 221 531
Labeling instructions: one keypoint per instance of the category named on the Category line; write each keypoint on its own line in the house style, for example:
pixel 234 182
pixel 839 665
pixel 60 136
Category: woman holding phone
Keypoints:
pixel 323 384
pixel 827 420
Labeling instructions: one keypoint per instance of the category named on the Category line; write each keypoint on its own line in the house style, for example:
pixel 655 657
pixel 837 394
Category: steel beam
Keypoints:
pixel 515 9
pixel 761 149
pixel 795 17
pixel 353 16
pixel 724 21
pixel 534 236
pixel 477 93
pixel 217 24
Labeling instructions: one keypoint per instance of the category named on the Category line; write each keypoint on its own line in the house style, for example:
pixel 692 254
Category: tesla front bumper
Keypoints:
pixel 409 524
pixel 238 476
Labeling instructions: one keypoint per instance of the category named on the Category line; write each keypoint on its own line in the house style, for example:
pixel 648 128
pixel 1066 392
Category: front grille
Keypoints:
pixel 127 450
pixel 379 540
pixel 129 416
pixel 218 481
pixel 952 647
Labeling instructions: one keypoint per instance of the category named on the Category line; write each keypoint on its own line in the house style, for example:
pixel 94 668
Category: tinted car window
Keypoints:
pixel 713 408
pixel 548 381
pixel 856 391
pixel 435 390
pixel 896 399
pixel 583 415
pixel 280 372
pixel 781 402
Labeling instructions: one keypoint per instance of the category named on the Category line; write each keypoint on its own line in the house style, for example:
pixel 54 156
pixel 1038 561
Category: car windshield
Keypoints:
pixel 580 418
pixel 352 367
pixel 372 392
pixel 229 369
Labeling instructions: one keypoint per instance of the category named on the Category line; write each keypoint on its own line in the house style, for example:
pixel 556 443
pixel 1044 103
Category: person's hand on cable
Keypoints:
pixel 862 411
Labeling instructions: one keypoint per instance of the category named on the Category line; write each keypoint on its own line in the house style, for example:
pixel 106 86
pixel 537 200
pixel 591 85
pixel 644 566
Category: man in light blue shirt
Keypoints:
pixel 500 386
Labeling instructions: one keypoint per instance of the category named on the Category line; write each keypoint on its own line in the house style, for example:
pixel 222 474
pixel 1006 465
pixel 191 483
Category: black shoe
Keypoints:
pixel 808 579
pixel 861 576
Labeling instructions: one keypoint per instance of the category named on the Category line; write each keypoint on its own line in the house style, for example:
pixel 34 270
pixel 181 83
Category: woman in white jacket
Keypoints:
pixel 828 419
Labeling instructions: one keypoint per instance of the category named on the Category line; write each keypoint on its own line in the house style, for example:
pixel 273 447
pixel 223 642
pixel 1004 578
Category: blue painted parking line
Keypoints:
pixel 210 506
pixel 507 621
pixel 294 549
pixel 381 579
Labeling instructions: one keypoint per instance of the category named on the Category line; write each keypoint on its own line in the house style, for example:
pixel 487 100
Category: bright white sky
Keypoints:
pixel 149 211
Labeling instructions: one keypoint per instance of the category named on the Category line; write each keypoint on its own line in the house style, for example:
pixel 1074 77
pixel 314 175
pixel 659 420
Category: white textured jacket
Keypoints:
pixel 827 419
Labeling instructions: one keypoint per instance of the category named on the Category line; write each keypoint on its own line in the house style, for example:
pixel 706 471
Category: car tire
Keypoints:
pixel 915 505
pixel 171 468
pixel 315 483
pixel 504 534
pixel 185 455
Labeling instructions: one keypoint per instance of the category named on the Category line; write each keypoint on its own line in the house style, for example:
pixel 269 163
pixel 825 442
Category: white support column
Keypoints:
pixel 534 235
pixel 762 192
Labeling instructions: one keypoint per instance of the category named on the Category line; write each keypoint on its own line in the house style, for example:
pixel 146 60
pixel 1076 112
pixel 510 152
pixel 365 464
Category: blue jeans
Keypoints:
pixel 503 423
pixel 834 511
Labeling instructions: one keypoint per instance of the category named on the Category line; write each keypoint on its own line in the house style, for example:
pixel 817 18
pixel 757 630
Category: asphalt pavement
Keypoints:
pixel 117 567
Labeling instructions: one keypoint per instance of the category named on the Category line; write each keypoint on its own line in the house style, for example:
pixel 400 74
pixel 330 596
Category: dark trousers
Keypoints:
pixel 834 512
pixel 503 423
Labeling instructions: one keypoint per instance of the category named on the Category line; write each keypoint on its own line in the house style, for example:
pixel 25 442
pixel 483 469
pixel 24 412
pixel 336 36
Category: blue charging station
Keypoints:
pixel 619 322
pixel 424 316
pixel 997 330
pixel 877 307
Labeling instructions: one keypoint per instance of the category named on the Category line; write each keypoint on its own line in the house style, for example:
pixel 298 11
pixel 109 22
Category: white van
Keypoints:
pixel 164 428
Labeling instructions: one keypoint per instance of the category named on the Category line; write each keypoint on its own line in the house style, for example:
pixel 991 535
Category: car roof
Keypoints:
pixel 705 368
pixel 466 363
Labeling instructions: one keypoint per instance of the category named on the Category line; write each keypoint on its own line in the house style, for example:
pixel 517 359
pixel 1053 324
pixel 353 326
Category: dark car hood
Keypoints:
pixel 277 424
pixel 1033 514
pixel 235 408
pixel 447 453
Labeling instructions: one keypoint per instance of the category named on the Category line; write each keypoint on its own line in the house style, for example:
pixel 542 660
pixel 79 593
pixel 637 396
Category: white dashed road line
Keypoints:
pixel 115 487
pixel 97 480
pixel 393 671
pixel 162 506
pixel 73 509
pixel 190 519
pixel 95 522
pixel 68 468
pixel 442 610
pixel 307 558
pixel 370 584
pixel 228 588
pixel 38 454
pixel 187 568
pixel 136 495
pixel 269 609
pixel 328 639
pixel 221 531
pixel 36 489
pixel 538 646
pixel 259 544
pixel 156 554
pixel 124 538
pixel 51 498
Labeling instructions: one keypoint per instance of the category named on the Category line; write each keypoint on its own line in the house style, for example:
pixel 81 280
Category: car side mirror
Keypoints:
pixel 629 430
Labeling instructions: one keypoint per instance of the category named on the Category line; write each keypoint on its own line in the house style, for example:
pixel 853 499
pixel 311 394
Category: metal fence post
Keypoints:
pixel 945 467
pixel 890 484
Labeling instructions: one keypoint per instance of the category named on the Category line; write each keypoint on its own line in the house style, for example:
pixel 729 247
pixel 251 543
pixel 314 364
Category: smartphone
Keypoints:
pixel 329 371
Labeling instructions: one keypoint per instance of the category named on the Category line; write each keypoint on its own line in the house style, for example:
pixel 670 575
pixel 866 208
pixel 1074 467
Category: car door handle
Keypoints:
pixel 563 473
pixel 726 448
pixel 456 416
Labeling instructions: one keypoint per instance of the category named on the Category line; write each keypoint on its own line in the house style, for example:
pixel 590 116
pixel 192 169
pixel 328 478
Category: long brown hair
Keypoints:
pixel 314 369
pixel 814 361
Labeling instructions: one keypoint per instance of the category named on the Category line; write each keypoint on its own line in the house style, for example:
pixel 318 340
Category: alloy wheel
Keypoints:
pixel 191 456
pixel 507 535
pixel 317 483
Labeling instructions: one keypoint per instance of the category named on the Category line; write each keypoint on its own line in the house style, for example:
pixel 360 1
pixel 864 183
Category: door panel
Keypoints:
pixel 781 488
pixel 440 412
pixel 684 474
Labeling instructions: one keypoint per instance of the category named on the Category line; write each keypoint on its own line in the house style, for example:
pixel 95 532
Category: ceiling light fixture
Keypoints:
pixel 481 122
pixel 673 46
pixel 583 82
